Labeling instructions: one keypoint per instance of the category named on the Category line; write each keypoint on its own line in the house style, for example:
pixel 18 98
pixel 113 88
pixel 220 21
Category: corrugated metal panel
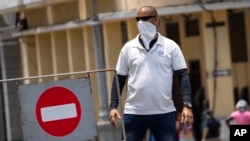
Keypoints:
pixel 31 1
pixel 5 4
pixel 10 68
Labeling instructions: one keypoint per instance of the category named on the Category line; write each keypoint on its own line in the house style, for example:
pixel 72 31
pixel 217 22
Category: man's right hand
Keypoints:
pixel 113 116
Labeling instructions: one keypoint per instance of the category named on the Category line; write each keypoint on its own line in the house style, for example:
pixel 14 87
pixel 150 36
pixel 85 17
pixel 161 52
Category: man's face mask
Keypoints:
pixel 147 31
pixel 242 109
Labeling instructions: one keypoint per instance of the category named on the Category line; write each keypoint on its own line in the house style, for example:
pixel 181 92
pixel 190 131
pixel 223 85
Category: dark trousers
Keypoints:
pixel 162 126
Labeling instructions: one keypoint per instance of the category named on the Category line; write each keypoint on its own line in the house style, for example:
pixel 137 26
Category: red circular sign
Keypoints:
pixel 58 111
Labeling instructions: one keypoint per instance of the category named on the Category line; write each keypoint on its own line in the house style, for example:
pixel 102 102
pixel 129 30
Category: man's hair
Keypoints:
pixel 209 112
pixel 153 10
pixel 241 104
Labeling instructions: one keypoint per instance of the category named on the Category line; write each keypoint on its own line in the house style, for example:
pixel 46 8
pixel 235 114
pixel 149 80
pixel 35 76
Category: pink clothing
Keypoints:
pixel 241 117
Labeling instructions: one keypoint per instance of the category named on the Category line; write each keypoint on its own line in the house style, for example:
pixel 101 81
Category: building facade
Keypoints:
pixel 43 37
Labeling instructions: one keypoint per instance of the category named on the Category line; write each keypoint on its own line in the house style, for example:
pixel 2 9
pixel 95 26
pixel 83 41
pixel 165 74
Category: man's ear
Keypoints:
pixel 158 21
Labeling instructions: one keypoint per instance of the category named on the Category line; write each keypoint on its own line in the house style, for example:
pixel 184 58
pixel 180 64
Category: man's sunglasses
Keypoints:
pixel 144 18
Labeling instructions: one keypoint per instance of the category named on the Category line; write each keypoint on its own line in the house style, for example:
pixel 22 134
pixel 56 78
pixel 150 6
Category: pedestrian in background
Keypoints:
pixel 212 130
pixel 185 133
pixel 241 116
pixel 204 115
pixel 148 62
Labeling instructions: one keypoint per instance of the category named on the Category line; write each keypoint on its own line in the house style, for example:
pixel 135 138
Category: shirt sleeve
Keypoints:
pixel 114 90
pixel 122 63
pixel 184 80
pixel 178 60
pixel 233 114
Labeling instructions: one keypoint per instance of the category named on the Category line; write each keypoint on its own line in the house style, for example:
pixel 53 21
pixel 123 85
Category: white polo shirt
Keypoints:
pixel 150 75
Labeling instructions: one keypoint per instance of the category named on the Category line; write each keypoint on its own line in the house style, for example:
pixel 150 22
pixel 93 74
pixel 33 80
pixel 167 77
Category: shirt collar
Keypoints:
pixel 158 40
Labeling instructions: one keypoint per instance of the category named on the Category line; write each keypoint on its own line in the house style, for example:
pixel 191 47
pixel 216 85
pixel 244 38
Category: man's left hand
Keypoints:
pixel 187 116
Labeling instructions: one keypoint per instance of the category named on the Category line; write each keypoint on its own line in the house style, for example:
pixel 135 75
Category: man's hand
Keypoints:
pixel 187 116
pixel 113 116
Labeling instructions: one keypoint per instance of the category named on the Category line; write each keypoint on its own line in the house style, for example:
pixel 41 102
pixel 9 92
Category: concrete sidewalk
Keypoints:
pixel 224 130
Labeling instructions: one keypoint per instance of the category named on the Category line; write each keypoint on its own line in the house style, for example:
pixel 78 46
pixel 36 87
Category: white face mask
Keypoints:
pixel 147 31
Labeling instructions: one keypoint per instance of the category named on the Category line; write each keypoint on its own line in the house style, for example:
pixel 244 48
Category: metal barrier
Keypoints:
pixel 51 117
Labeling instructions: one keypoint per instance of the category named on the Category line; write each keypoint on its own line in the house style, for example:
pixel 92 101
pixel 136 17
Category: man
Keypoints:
pixel 212 129
pixel 241 116
pixel 149 61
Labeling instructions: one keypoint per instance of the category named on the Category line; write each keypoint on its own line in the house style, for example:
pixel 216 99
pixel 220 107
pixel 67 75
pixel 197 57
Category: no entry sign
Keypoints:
pixel 58 111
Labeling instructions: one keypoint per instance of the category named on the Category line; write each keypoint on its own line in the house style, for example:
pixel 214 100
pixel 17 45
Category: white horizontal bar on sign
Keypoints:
pixel 58 112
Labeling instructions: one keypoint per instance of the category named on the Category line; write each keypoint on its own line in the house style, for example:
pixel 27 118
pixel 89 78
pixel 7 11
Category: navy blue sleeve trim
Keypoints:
pixel 114 93
pixel 184 80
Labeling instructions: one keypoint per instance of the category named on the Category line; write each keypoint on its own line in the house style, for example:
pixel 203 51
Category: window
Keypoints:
pixel 192 27
pixel 172 30
pixel 237 36
pixel 124 32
